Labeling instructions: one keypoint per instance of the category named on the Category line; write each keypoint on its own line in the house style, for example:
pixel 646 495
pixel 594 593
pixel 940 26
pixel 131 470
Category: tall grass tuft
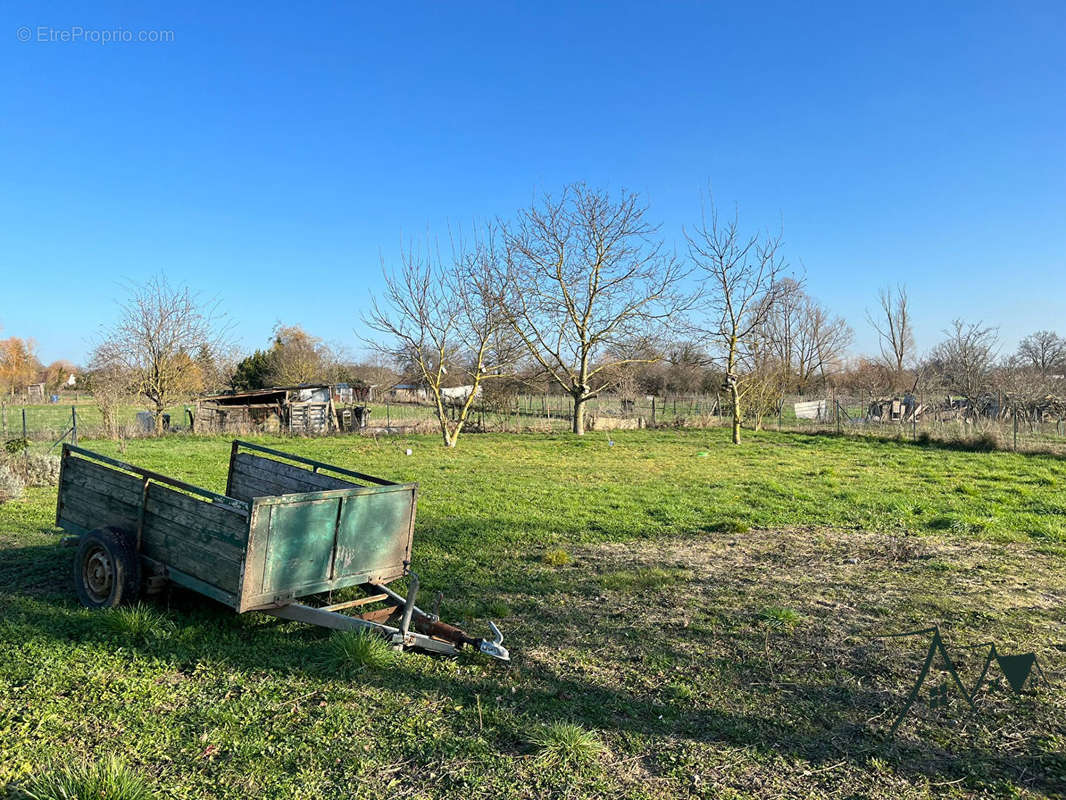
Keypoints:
pixel 107 779
pixel 140 623
pixel 566 744
pixel 359 649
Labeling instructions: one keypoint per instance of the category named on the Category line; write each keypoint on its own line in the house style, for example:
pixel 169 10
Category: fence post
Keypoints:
pixel 25 442
pixel 653 410
pixel 74 425
pixel 3 413
pixel 1015 415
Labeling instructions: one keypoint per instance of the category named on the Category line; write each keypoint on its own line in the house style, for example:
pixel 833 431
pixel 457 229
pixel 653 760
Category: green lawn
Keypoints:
pixel 707 614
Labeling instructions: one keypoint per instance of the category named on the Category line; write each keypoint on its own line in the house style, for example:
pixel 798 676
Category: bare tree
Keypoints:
pixel 446 321
pixel 588 286
pixel 743 278
pixel 895 328
pixel 965 359
pixel 110 386
pixel 376 373
pixel 805 337
pixel 162 329
pixel 1043 351
pixel 829 337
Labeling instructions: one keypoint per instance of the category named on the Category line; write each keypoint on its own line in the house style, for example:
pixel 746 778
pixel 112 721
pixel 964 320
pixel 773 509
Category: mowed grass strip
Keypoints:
pixel 508 488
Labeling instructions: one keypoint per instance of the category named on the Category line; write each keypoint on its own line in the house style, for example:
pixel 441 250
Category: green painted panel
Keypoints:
pixel 291 551
pixel 300 549
pixel 373 533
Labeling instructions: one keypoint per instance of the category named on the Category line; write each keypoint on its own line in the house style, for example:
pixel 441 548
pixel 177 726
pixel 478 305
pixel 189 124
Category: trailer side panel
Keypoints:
pixel 194 537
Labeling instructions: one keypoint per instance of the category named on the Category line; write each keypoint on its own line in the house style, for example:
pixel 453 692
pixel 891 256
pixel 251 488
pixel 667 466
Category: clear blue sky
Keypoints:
pixel 271 154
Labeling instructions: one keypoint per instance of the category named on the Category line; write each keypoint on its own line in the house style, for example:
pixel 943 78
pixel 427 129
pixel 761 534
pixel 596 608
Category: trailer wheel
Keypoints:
pixel 107 571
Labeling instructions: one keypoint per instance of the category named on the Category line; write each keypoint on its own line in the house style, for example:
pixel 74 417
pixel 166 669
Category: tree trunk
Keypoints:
pixel 734 401
pixel 159 421
pixel 579 415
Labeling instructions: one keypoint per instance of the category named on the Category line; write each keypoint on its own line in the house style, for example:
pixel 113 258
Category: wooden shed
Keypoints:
pixel 306 409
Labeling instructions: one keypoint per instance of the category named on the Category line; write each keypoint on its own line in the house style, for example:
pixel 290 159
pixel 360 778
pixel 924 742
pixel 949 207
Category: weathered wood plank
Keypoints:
pixel 222 523
pixel 210 560
pixel 128 487
pixel 196 515
pixel 246 485
pixel 98 507
pixel 293 478
pixel 179 539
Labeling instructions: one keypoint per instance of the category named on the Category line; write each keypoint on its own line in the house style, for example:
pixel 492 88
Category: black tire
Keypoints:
pixel 107 571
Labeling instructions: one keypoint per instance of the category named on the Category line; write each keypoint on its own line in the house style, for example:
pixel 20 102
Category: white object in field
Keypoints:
pixel 72 380
pixel 813 409
pixel 409 451
pixel 459 394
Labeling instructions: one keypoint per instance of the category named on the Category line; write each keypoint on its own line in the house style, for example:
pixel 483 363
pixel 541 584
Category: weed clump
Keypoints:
pixel 556 558
pixel 728 526
pixel 107 779
pixel 11 485
pixel 780 618
pixel 35 469
pixel 641 579
pixel 566 744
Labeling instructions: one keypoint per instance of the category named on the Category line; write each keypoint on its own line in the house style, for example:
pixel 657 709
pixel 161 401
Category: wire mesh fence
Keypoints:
pixel 915 417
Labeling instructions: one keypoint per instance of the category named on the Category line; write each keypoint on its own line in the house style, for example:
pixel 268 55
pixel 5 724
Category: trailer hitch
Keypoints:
pixel 430 625
pixel 494 648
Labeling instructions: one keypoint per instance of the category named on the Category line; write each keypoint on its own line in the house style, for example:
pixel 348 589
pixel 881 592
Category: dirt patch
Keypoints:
pixel 762 652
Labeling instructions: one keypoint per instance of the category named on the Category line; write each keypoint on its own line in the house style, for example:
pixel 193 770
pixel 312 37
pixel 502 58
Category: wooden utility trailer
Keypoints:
pixel 286 529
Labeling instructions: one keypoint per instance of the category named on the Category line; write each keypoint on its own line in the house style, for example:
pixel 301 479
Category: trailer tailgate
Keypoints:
pixel 302 544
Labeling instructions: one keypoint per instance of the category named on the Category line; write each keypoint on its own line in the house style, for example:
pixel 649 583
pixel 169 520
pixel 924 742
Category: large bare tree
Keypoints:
pixel 807 339
pixel 588 286
pixel 444 320
pixel 895 329
pixel 742 275
pixel 1044 352
pixel 161 330
pixel 964 361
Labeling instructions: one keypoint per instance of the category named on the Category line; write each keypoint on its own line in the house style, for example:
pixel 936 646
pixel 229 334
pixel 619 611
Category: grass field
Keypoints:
pixel 686 619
